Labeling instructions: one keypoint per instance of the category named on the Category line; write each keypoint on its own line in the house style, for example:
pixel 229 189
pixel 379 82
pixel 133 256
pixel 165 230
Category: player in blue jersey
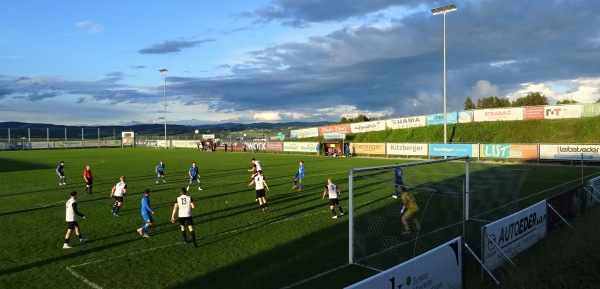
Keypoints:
pixel 299 176
pixel 147 213
pixel 160 172
pixel 194 176
pixel 62 179
pixel 399 182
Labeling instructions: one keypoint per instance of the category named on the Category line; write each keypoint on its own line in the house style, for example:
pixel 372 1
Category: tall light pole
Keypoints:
pixel 164 72
pixel 436 11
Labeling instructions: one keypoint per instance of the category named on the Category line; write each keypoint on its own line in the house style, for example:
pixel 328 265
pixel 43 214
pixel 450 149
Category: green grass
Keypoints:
pixel 582 130
pixel 240 247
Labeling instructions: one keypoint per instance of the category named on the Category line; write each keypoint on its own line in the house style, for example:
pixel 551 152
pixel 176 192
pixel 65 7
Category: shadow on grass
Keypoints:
pixel 12 165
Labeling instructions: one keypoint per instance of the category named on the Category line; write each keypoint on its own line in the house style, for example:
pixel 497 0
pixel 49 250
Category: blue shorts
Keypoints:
pixel 299 176
pixel 399 182
pixel 147 218
pixel 194 178
pixel 161 173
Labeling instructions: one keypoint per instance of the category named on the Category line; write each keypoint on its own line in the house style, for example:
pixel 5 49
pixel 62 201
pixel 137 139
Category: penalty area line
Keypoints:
pixel 314 277
pixel 96 286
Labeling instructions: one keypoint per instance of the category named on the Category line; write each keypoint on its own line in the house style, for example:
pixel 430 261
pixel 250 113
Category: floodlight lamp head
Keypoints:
pixel 164 70
pixel 443 9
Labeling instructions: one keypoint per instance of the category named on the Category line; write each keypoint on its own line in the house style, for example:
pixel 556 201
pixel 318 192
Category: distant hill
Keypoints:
pixel 173 129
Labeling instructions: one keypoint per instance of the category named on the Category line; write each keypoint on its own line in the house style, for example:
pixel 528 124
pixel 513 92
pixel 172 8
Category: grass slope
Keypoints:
pixel 583 130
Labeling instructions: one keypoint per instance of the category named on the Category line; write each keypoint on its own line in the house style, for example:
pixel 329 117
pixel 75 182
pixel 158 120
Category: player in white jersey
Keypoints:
pixel 261 184
pixel 185 204
pixel 334 195
pixel 256 166
pixel 118 192
pixel 71 218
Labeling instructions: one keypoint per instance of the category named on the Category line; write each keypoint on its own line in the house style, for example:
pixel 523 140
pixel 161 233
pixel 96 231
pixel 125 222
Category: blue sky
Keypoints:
pixel 97 62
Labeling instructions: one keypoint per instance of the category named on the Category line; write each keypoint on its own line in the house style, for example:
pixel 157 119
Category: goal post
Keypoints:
pixel 455 197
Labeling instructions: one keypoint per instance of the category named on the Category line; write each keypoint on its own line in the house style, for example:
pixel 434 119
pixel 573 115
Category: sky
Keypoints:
pixel 97 62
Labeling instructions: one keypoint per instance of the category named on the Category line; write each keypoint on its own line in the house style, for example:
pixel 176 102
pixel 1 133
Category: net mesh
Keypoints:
pixel 379 237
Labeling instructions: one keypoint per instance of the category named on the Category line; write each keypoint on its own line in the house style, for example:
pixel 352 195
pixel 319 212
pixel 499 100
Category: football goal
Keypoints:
pixel 454 197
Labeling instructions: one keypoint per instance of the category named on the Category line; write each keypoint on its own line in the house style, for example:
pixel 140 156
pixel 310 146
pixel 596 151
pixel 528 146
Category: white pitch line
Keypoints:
pixel 86 281
pixel 315 277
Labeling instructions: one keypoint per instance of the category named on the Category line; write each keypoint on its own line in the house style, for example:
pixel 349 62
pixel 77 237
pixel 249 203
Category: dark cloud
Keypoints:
pixel 113 77
pixel 394 67
pixel 37 96
pixel 5 91
pixel 173 46
pixel 138 67
pixel 300 13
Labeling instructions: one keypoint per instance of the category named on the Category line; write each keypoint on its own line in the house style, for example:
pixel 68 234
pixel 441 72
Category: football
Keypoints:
pixel 197 131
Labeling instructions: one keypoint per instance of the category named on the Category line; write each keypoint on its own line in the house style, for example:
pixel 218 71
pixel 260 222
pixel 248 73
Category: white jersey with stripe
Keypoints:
pixel 185 206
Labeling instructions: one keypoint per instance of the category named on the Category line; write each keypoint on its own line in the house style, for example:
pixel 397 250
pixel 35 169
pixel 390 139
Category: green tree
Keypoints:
pixel 598 101
pixel 566 101
pixel 469 104
pixel 361 118
pixel 492 102
pixel 344 120
pixel 534 98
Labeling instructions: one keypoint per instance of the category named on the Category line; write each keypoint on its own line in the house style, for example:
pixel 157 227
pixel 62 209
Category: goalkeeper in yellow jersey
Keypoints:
pixel 410 206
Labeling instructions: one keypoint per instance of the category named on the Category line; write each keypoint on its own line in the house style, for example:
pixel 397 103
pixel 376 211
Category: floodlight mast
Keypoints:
pixel 164 72
pixel 437 11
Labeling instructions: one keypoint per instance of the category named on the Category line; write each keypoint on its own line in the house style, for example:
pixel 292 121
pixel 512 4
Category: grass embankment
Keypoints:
pixel 582 130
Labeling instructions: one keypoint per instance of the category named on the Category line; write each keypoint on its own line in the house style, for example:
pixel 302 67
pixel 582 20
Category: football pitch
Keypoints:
pixel 296 245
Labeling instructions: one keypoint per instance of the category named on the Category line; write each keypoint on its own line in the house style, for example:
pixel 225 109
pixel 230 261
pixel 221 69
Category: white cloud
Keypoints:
pixel 584 90
pixel 484 88
pixel 267 116
pixel 89 27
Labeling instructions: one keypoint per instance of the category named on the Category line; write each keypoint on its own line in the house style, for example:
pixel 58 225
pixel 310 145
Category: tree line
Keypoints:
pixel 531 99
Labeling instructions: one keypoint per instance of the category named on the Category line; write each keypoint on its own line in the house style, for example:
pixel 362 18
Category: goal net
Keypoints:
pixel 454 198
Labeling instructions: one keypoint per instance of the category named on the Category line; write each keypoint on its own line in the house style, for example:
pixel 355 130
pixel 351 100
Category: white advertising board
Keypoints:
pixel 406 122
pixel 39 145
pixel 569 152
pixel 495 114
pixel 68 144
pixel 308 132
pixel 513 234
pixel 407 149
pixel 437 268
pixel 563 111
pixel 95 143
pixel 300 147
pixel 367 126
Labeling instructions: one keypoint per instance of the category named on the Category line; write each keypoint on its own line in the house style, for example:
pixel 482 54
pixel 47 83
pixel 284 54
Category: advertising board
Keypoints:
pixel 367 126
pixel 368 148
pixel 407 149
pixel 508 151
pixel 513 234
pixel 453 150
pixel 406 122
pixel 439 268
pixel 569 152
pixel 498 114
pixel 563 111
